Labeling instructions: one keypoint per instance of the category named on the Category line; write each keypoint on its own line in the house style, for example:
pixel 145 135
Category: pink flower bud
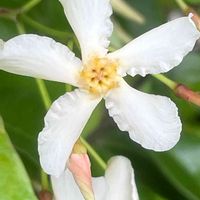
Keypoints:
pixel 79 165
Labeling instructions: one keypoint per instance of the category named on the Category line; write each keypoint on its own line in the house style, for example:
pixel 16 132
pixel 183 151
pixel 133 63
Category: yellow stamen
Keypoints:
pixel 99 75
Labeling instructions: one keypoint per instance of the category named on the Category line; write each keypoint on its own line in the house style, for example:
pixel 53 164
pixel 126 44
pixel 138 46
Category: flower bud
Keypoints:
pixel 79 165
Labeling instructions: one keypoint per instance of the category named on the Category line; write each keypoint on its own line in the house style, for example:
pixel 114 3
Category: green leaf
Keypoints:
pixel 146 193
pixel 14 184
pixel 23 112
pixel 182 166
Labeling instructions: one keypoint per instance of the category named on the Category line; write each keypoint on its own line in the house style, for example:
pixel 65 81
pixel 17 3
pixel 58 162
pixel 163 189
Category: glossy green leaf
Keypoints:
pixel 182 166
pixel 14 181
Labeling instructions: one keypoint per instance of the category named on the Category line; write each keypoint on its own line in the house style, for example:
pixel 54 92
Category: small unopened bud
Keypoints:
pixel 79 165
pixel 45 195
pixel 187 94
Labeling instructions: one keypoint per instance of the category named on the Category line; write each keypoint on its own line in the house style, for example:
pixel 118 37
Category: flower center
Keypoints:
pixel 99 75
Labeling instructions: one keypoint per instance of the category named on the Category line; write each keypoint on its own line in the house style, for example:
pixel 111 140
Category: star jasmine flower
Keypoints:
pixel 150 120
pixel 117 184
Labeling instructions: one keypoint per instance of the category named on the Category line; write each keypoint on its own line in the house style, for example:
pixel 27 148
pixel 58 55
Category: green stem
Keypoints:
pixel 44 180
pixel 45 29
pixel 127 11
pixel 171 84
pixel 47 102
pixel 184 7
pixel 44 93
pixel 94 154
pixel 29 5
pixel 20 28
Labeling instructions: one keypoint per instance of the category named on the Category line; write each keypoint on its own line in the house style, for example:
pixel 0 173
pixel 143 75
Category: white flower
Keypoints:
pixel 151 120
pixel 117 184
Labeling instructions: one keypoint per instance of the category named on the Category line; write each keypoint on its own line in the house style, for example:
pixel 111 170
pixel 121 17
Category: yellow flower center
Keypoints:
pixel 99 75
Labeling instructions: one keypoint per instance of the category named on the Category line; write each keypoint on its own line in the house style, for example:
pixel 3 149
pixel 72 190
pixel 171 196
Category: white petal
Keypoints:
pixel 64 123
pixel 90 20
pixel 65 187
pixel 151 120
pixel 99 188
pixel 120 178
pixel 158 50
pixel 40 57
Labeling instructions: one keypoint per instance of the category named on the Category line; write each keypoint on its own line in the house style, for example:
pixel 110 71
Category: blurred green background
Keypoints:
pixel 173 175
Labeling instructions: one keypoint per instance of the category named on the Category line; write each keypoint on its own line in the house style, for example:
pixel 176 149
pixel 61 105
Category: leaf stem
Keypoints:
pixel 181 3
pixel 45 29
pixel 47 102
pixel 128 11
pixel 168 82
pixel 28 6
pixel 20 27
pixel 44 180
pixel 94 154
pixel 44 93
